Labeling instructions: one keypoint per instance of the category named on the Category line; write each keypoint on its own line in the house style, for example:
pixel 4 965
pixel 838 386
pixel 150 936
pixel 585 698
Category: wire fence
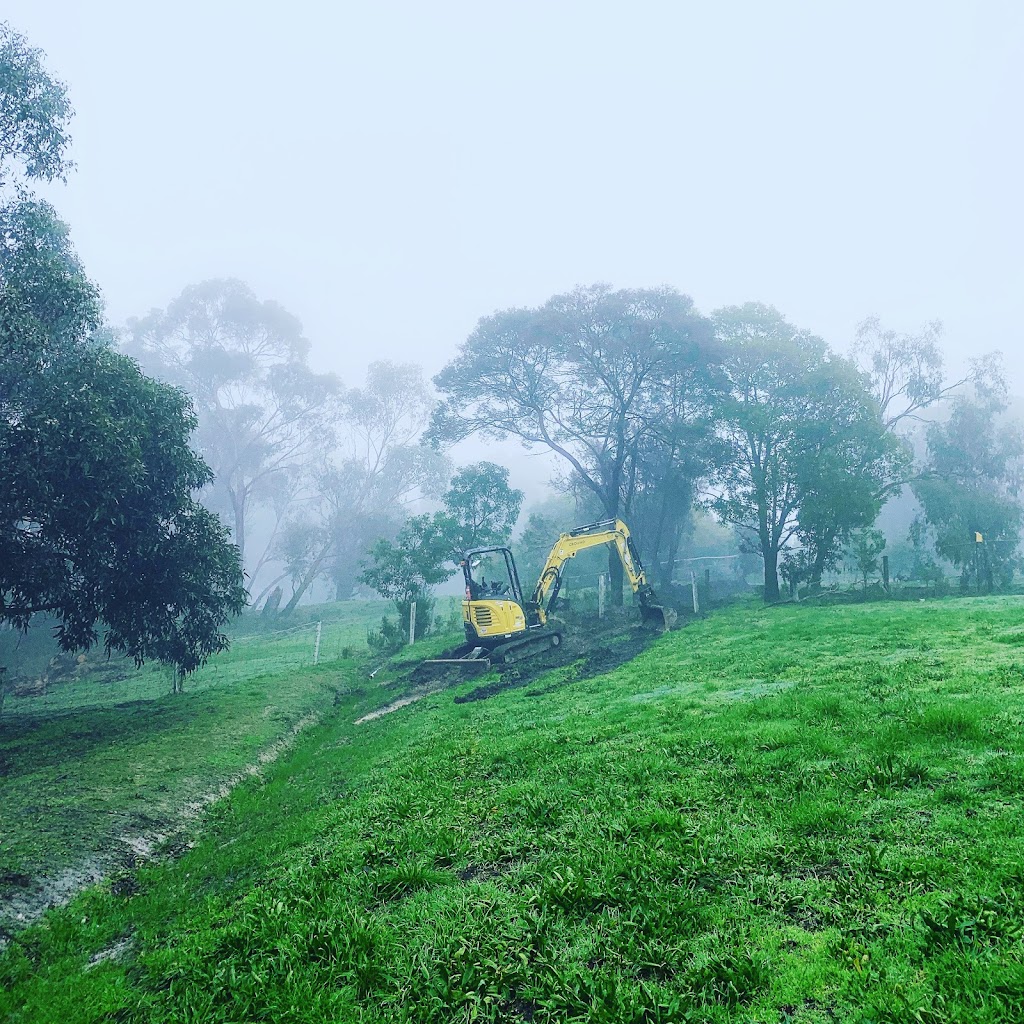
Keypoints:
pixel 100 682
pixel 47 685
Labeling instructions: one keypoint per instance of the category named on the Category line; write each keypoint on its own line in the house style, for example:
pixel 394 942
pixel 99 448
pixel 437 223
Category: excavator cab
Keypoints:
pixel 493 609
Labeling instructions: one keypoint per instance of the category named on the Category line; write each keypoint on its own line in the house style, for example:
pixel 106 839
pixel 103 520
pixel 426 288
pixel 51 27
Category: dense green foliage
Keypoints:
pixel 35 114
pixel 480 509
pixel 406 570
pixel 971 486
pixel 806 453
pixel 616 384
pixel 801 814
pixel 98 526
pixel 96 478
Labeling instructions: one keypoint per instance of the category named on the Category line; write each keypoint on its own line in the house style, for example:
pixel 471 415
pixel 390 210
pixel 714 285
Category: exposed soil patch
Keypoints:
pixel 805 917
pixel 519 1010
pixel 118 951
pixel 592 649
pixel 15 880
pixel 481 872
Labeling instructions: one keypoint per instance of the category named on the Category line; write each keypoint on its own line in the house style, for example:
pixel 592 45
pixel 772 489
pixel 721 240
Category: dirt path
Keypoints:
pixel 29 898
pixel 402 702
pixel 592 649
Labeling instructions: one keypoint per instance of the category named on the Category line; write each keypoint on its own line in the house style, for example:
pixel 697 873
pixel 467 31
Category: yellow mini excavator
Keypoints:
pixel 501 627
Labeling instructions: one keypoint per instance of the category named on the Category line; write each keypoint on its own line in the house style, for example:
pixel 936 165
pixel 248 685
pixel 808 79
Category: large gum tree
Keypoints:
pixel 805 447
pixel 603 379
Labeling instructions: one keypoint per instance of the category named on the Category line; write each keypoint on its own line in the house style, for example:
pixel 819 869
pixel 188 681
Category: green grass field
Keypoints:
pixel 791 814
pixel 101 765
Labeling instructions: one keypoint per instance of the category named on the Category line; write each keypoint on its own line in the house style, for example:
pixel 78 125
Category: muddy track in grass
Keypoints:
pixel 592 652
pixel 24 898
pixel 592 647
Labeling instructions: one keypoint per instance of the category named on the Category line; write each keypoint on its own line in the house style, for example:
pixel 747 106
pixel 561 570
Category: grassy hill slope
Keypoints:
pixel 105 761
pixel 790 814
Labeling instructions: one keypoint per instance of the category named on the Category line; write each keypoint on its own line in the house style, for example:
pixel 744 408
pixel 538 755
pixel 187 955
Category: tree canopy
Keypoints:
pixel 262 412
pixel 360 490
pixel 480 510
pixel 35 114
pixel 601 378
pixel 98 525
pixel 480 507
pixel 806 447
pixel 971 487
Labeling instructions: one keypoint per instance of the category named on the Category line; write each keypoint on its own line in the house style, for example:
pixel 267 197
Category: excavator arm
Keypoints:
pixel 611 532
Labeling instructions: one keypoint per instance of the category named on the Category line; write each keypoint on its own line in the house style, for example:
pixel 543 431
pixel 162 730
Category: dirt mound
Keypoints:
pixel 592 648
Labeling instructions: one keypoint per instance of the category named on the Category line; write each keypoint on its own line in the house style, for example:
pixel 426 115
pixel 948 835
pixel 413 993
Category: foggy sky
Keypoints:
pixel 391 172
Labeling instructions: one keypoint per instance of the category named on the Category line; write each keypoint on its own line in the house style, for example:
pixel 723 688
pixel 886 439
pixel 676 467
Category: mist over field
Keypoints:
pixel 390 173
pixel 511 514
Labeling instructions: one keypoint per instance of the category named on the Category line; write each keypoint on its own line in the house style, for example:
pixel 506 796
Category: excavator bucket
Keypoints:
pixel 659 617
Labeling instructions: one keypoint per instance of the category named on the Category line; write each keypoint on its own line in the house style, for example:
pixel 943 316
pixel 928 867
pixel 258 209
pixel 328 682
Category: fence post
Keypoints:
pixel 316 645
pixel 600 596
pixel 693 587
pixel 412 622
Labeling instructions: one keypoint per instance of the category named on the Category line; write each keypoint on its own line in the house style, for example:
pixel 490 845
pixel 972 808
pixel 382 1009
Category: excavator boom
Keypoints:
pixel 614 533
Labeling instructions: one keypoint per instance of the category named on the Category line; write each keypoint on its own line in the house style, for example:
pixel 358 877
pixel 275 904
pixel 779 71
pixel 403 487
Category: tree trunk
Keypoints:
pixel 771 574
pixel 822 549
pixel 344 578
pixel 668 571
pixel 238 513
pixel 306 583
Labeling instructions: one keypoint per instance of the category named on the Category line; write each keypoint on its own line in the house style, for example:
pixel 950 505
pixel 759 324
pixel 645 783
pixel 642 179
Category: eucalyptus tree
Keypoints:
pixel 361 486
pixel 480 510
pixel 970 488
pixel 806 447
pixel 480 507
pixel 598 377
pixel 263 412
pixel 907 374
